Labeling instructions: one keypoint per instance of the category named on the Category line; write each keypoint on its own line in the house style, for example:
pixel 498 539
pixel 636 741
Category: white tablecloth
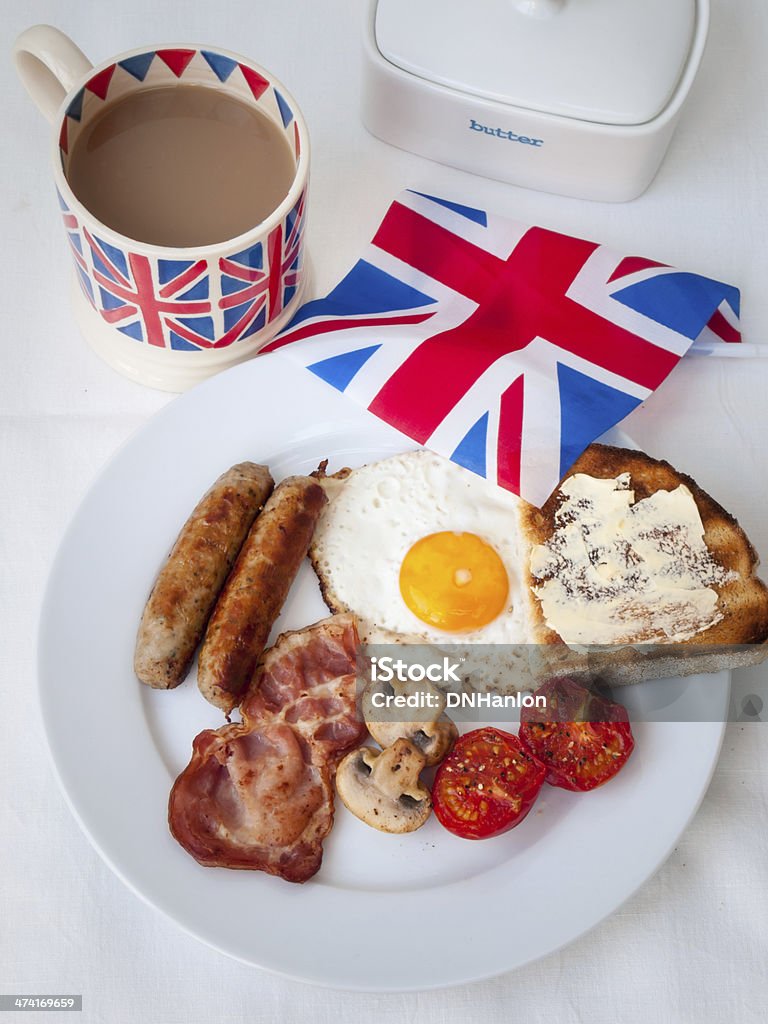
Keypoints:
pixel 692 945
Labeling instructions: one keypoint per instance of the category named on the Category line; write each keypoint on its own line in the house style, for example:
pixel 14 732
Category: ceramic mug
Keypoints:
pixel 163 316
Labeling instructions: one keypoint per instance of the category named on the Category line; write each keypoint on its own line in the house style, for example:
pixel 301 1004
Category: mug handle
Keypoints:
pixel 49 65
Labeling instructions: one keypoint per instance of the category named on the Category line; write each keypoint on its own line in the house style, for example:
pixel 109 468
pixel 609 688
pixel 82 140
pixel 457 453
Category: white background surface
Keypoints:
pixel 693 944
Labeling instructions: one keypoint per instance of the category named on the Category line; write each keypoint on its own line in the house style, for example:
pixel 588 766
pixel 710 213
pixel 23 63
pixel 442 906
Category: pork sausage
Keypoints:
pixel 256 589
pixel 186 589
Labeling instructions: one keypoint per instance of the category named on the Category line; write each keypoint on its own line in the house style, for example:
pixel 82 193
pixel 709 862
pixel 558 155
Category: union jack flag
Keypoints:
pixel 504 347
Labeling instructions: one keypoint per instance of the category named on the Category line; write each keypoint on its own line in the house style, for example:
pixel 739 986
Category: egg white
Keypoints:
pixel 375 516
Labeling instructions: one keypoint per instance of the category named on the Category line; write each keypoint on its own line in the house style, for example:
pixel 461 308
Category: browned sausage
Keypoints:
pixel 256 590
pixel 189 583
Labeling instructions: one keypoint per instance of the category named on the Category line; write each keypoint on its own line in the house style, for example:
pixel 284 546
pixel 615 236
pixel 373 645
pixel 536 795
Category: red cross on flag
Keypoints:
pixel 504 347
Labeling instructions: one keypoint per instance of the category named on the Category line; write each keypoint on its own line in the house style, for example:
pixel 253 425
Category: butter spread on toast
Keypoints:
pixel 620 571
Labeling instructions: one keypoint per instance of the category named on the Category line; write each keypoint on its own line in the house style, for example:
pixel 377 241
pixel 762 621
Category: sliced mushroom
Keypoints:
pixel 430 729
pixel 433 739
pixel 382 788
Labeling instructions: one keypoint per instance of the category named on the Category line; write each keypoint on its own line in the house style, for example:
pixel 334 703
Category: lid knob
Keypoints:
pixel 539 8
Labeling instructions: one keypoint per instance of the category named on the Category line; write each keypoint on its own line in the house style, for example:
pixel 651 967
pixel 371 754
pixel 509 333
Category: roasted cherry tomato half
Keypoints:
pixel 582 738
pixel 486 785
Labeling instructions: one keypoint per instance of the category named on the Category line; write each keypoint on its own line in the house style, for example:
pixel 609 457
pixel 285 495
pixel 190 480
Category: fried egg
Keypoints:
pixel 421 549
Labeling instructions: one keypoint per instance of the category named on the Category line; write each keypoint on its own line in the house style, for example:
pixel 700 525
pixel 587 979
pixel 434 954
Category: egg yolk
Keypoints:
pixel 454 581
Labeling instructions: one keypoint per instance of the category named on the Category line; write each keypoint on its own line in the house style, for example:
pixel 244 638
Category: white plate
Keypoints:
pixel 384 912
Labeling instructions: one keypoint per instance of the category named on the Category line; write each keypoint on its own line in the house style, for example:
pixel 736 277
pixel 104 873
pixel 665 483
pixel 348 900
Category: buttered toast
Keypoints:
pixel 628 551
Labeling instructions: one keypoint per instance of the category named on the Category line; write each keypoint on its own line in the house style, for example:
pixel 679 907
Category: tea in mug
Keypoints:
pixel 183 165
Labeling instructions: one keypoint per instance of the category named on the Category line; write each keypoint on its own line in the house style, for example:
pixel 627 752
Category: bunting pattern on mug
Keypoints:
pixel 167 65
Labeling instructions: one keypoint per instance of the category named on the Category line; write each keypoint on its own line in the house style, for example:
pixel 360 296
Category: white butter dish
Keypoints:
pixel 579 97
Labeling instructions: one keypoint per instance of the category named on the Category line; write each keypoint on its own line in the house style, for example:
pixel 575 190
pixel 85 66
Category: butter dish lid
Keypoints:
pixel 606 61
